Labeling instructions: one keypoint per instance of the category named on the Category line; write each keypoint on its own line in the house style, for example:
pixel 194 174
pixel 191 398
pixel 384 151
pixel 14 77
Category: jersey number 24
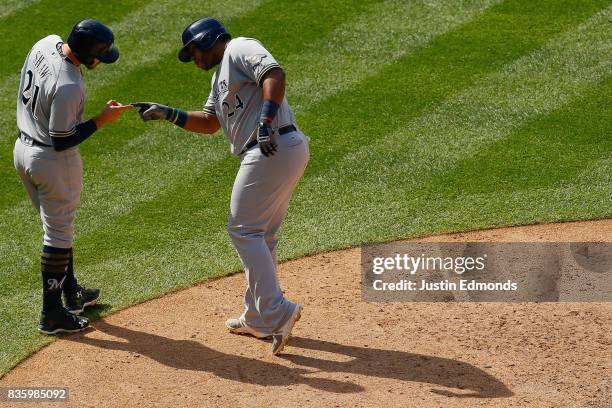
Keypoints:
pixel 238 105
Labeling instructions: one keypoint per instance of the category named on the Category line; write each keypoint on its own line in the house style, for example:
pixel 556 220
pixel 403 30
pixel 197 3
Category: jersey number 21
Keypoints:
pixel 26 95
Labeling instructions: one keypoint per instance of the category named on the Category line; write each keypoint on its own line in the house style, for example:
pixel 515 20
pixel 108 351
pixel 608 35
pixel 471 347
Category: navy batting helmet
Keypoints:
pixel 203 34
pixel 91 39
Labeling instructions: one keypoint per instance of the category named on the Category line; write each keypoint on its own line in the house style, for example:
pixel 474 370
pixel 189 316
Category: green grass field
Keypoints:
pixel 424 117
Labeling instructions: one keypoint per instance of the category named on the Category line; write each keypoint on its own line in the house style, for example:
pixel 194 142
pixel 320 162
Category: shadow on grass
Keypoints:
pixel 193 355
pixel 98 311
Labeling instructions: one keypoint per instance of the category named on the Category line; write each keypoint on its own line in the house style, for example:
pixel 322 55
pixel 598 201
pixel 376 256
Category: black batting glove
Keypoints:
pixel 265 138
pixel 153 111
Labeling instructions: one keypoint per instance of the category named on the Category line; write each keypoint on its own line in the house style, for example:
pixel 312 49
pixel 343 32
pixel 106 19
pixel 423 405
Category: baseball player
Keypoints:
pixel 50 106
pixel 247 99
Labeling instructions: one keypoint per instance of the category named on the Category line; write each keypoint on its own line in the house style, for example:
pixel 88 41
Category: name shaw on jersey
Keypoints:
pixel 41 65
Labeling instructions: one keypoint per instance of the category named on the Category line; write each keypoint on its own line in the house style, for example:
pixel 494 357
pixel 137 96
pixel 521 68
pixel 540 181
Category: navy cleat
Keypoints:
pixel 79 300
pixel 61 321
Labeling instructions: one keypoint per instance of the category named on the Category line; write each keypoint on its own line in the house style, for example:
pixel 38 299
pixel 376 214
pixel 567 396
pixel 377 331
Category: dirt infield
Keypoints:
pixel 175 351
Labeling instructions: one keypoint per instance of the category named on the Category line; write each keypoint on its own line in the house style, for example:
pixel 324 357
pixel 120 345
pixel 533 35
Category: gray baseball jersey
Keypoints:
pixel 264 185
pixel 236 93
pixel 50 102
pixel 51 94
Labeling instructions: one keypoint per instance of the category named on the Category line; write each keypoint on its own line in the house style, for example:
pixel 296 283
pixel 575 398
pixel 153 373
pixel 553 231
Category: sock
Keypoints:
pixel 53 265
pixel 70 284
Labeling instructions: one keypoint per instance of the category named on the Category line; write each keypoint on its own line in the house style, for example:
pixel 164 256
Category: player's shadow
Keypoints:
pixel 193 355
pixel 470 381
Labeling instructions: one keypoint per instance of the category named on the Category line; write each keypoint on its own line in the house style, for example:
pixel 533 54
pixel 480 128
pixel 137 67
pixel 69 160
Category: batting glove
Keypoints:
pixel 265 138
pixel 153 111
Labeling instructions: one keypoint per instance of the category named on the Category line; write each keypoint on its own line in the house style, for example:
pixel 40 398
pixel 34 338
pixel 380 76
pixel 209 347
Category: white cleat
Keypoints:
pixel 236 326
pixel 280 338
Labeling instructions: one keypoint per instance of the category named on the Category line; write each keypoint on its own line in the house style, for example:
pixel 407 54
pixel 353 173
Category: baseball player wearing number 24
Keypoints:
pixel 247 99
pixel 50 105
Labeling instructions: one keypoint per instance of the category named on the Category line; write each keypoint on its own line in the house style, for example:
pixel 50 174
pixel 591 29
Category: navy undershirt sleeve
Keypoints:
pixel 82 132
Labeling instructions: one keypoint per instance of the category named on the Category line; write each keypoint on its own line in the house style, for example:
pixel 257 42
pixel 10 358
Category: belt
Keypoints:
pixel 34 142
pixel 281 131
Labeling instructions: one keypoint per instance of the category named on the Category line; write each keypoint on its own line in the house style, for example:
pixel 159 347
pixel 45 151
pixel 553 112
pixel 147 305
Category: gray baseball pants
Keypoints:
pixel 260 198
pixel 54 181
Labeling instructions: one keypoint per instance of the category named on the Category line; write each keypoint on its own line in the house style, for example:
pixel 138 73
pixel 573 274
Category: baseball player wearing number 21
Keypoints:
pixel 50 104
pixel 247 99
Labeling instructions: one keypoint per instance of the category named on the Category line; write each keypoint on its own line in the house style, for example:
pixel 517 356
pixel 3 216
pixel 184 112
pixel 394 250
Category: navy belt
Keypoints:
pixel 282 131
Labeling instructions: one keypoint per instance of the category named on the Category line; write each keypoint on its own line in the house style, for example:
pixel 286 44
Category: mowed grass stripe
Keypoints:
pixel 12 6
pixel 402 167
pixel 453 61
pixel 550 151
pixel 20 30
pixel 363 46
pixel 292 27
pixel 18 325
pixel 583 168
pixel 533 85
pixel 151 38
pixel 585 197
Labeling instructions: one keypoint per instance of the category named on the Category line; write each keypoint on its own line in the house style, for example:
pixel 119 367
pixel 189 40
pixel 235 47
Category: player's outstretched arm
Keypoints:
pixel 110 113
pixel 199 122
pixel 202 122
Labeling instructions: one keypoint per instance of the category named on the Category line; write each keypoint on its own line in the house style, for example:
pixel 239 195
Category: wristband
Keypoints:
pixel 268 111
pixel 178 117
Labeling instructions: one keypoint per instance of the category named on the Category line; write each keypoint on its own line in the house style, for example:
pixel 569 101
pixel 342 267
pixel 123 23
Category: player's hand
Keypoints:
pixel 152 110
pixel 265 138
pixel 110 113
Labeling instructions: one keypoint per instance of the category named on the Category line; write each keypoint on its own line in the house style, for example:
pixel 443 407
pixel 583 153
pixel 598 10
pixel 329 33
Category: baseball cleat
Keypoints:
pixel 280 338
pixel 61 321
pixel 79 300
pixel 237 326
